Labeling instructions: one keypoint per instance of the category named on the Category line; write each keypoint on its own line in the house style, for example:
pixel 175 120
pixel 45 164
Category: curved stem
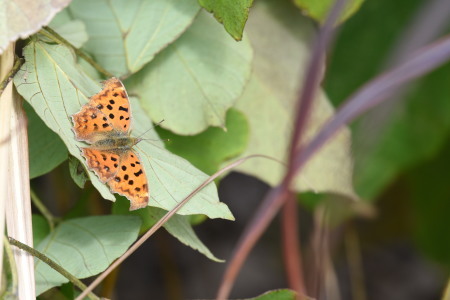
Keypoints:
pixel 264 215
pixel 52 264
pixel 51 34
pixel 44 211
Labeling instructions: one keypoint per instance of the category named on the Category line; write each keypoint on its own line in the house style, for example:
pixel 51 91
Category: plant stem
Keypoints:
pixel 17 64
pixel 355 263
pixel 280 194
pixel 51 34
pixel 291 245
pixel 53 265
pixel 44 211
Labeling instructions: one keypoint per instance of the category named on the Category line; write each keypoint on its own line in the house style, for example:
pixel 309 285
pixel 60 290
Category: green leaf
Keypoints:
pixel 40 228
pixel 77 172
pixel 47 151
pixel 278 295
pixel 413 130
pixel 233 14
pixel 194 81
pixel 178 226
pixel 269 102
pixel 72 30
pixel 56 88
pixel 209 149
pixel 21 18
pixel 125 35
pixel 319 9
pixel 84 247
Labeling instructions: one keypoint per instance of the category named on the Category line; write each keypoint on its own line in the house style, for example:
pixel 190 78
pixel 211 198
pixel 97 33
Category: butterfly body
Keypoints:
pixel 104 123
pixel 116 143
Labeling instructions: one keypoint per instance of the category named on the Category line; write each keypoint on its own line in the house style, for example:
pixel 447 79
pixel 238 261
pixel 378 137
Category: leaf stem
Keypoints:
pixel 18 63
pixel 51 34
pixel 53 265
pixel 44 211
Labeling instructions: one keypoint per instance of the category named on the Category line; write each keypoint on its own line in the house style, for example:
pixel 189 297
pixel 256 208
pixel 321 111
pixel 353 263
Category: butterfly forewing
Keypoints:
pixel 113 102
pixel 90 124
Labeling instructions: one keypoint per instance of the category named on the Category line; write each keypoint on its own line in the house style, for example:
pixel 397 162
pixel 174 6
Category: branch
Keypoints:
pixel 53 265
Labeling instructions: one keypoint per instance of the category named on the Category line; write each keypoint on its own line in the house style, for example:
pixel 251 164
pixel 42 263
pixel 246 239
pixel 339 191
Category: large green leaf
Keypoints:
pixel 392 138
pixel 270 97
pixel 56 88
pixel 125 35
pixel 319 9
pixel 209 149
pixel 21 18
pixel 233 14
pixel 41 228
pixel 84 247
pixel 72 30
pixel 193 82
pixel 178 226
pixel 46 150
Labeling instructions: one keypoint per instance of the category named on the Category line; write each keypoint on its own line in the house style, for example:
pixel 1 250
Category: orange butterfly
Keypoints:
pixel 104 123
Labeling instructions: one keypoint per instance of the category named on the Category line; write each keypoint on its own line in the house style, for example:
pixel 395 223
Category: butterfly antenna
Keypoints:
pixel 157 124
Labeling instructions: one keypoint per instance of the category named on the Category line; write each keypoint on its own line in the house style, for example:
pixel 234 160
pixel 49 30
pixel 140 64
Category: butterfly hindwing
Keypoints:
pixel 104 163
pixel 131 181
